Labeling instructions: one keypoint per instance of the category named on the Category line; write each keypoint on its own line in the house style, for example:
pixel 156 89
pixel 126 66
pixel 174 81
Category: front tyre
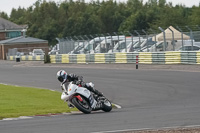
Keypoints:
pixel 106 105
pixel 83 106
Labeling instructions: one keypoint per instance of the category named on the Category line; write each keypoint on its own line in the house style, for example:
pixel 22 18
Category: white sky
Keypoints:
pixel 7 5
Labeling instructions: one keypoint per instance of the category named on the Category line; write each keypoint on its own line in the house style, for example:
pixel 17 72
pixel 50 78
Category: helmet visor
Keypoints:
pixel 60 78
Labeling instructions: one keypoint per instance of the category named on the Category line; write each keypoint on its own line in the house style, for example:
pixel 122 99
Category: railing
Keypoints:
pixel 27 58
pixel 172 57
pixel 185 38
pixel 144 58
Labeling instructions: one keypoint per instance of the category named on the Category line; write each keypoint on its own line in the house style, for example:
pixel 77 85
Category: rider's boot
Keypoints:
pixel 70 105
pixel 90 86
pixel 98 106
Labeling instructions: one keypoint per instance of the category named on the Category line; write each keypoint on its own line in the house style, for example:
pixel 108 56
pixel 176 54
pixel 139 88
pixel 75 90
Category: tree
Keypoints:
pixel 43 21
pixel 18 16
pixel 4 15
pixel 136 21
pixel 48 20
pixel 135 5
pixel 194 18
pixel 111 15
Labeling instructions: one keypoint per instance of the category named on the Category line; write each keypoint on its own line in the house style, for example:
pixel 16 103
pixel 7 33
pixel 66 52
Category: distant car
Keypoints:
pixel 37 52
pixel 19 53
pixel 189 48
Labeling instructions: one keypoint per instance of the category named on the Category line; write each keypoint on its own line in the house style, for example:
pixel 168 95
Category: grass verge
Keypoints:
pixel 26 101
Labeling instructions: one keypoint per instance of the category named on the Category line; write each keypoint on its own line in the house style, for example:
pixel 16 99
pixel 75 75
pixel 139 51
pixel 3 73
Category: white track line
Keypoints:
pixel 19 118
pixel 142 129
pixel 118 106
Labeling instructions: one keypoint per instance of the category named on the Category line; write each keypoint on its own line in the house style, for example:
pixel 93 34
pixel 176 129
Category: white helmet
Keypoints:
pixel 61 75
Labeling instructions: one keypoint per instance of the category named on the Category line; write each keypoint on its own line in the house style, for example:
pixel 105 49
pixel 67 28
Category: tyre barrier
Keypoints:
pixel 175 57
pixel 27 58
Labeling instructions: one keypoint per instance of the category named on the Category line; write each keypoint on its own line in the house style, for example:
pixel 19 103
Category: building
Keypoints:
pixel 13 40
pixel 10 30
pixel 23 45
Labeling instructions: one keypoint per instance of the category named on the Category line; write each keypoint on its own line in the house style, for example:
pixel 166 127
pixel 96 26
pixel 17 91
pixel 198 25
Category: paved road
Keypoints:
pixel 149 99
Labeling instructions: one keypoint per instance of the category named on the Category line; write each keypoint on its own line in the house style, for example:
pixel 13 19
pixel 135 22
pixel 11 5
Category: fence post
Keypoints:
pixel 71 39
pixel 147 39
pixel 58 43
pixel 97 35
pixel 68 40
pixel 181 35
pixel 163 37
pixel 105 44
pixel 155 39
pixel 94 45
pixel 88 40
pixel 77 39
pixel 139 37
pixel 191 35
pixel 131 41
pixel 111 42
pixel 124 40
pixel 118 40
pixel 83 41
pixel 172 39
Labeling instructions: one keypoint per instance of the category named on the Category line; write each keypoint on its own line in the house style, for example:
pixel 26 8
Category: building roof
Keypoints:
pixel 21 40
pixel 7 25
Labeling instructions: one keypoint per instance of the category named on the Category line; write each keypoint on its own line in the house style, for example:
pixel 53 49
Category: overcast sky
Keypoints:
pixel 7 5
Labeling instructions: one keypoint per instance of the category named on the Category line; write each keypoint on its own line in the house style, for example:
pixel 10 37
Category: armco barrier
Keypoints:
pixel 188 58
pixel 120 57
pixel 169 57
pixel 27 58
pixel 99 58
pixel 158 58
pixel 145 58
pixel 81 58
pixel 172 57
pixel 198 57
pixel 65 58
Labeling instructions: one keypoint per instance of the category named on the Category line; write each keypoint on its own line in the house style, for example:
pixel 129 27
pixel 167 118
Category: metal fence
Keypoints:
pixel 185 38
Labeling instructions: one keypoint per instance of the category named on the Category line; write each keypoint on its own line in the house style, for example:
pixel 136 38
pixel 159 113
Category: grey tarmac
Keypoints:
pixel 152 97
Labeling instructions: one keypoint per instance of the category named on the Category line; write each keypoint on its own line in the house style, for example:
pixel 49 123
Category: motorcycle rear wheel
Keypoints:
pixel 83 106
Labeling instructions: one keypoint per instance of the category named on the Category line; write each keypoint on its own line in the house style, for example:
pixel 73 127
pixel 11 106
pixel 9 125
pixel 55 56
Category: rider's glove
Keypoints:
pixel 78 82
pixel 91 84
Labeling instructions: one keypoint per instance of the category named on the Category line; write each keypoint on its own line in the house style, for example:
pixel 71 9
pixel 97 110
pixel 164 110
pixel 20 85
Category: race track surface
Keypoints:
pixel 149 98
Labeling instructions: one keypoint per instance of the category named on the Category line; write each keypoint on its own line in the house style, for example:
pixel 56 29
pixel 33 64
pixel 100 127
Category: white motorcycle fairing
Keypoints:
pixel 73 90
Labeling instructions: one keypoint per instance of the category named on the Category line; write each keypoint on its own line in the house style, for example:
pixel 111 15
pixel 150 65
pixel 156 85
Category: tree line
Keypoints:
pixel 48 20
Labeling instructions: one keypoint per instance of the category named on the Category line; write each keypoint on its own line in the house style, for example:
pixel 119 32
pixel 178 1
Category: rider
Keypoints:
pixel 63 77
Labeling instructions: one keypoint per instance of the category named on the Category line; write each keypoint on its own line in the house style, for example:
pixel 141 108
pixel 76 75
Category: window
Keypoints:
pixel 13 34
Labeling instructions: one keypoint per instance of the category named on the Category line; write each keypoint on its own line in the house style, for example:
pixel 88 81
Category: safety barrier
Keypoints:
pixel 27 58
pixel 144 58
pixel 169 57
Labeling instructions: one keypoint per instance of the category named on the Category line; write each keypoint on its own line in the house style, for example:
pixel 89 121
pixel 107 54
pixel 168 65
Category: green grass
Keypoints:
pixel 26 101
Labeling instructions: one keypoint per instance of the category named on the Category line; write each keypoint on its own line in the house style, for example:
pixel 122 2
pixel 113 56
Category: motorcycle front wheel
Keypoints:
pixel 107 106
pixel 83 106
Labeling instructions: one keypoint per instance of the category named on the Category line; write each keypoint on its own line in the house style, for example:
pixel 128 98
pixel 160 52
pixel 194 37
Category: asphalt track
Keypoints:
pixel 149 99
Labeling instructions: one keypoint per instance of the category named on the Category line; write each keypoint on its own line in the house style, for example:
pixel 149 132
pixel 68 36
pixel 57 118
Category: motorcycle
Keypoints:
pixel 84 100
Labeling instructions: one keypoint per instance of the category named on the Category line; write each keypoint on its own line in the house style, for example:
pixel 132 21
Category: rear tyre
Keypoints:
pixel 106 105
pixel 83 106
